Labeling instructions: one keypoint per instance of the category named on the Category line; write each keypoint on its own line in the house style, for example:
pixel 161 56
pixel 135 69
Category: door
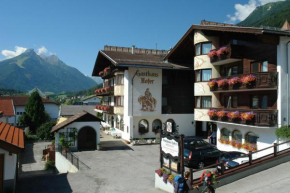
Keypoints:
pixel 1 172
pixel 87 139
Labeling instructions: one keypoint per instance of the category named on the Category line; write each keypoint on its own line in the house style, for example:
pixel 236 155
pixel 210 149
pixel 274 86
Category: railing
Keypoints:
pixel 263 80
pixel 261 117
pixel 235 52
pixel 249 164
pixel 72 158
pixel 105 91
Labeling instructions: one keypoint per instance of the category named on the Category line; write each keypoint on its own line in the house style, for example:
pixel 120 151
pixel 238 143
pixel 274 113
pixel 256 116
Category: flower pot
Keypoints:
pixel 236 86
pixel 213 59
pixel 223 56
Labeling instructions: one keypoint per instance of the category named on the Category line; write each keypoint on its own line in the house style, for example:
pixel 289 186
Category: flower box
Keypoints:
pixel 212 84
pixel 222 115
pixel 212 55
pixel 212 113
pixel 222 83
pixel 101 73
pixel 234 115
pixel 236 144
pixel 249 80
pixel 250 147
pixel 223 52
pixel 248 116
pixel 224 141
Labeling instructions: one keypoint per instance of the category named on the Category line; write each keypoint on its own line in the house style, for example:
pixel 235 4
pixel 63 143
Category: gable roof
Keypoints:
pixel 11 138
pixel 213 26
pixel 71 110
pixel 81 117
pixel 22 100
pixel 121 58
pixel 6 106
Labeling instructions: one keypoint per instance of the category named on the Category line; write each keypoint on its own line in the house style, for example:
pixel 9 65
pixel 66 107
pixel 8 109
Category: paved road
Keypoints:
pixel 118 168
pixel 276 179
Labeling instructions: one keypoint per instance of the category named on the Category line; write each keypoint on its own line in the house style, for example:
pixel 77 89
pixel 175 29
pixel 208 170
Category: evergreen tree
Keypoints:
pixel 35 114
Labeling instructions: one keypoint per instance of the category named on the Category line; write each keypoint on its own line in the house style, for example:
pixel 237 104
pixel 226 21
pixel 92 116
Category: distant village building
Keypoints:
pixel 8 111
pixel 91 100
pixel 39 92
pixel 141 92
pixel 19 103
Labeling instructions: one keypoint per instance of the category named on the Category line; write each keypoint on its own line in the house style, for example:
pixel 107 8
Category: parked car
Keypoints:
pixel 199 153
pixel 228 158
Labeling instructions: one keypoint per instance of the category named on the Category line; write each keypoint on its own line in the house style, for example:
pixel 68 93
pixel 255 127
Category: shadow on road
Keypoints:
pixel 48 183
pixel 115 145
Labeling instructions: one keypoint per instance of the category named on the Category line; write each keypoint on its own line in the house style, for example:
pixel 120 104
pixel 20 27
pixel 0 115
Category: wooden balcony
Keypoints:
pixel 264 118
pixel 235 54
pixel 106 91
pixel 264 81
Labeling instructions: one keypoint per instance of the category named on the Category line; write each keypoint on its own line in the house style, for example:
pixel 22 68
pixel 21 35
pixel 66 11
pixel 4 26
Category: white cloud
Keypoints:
pixel 42 50
pixel 243 11
pixel 10 54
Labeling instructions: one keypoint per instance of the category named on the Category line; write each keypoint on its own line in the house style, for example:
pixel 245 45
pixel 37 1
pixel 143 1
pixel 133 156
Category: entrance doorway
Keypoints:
pixel 87 139
pixel 1 172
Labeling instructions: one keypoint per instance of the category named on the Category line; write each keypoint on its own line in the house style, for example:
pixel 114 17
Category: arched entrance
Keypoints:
pixel 87 139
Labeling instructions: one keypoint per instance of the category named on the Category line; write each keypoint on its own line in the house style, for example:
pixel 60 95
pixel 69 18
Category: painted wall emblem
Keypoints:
pixel 147 102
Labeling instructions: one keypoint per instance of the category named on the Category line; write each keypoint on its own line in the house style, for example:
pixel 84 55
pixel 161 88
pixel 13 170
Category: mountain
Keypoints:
pixel 270 14
pixel 98 80
pixel 48 73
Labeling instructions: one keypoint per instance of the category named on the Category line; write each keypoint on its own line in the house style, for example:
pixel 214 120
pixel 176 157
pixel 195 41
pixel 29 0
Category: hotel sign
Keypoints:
pixel 170 146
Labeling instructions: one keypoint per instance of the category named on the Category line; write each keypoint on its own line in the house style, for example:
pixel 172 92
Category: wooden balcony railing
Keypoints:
pixel 267 118
pixel 263 80
pixel 105 91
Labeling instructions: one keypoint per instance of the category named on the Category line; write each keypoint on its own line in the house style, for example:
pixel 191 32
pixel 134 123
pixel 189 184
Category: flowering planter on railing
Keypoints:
pixel 212 84
pixel 223 53
pixel 223 83
pixel 212 114
pixel 235 82
pixel 213 56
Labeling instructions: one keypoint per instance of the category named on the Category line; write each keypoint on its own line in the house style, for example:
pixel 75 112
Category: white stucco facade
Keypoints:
pixel 139 83
pixel 79 125
pixel 9 164
pixel 52 109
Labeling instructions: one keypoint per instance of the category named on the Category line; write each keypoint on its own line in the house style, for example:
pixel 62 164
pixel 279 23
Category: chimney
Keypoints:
pixel 133 49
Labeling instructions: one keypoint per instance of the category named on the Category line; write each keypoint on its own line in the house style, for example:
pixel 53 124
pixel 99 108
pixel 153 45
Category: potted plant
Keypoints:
pixel 212 55
pixel 223 52
pixel 235 82
pixel 212 84
pixel 99 146
pixel 63 140
pixel 234 116
pixel 106 70
pixel 101 73
pixel 249 80
pixel 250 146
pixel 222 115
pixel 212 113
pixel 223 83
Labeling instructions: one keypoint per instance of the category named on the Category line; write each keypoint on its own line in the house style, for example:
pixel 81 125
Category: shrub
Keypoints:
pixel 49 165
pixel 283 132
pixel 30 136
pixel 43 132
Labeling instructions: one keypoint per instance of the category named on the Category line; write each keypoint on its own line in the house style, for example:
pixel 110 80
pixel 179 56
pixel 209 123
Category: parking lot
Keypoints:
pixel 117 168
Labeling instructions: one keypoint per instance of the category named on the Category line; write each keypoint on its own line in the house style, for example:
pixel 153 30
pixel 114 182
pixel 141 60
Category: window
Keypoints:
pixel 237 136
pixel 231 101
pixel 121 125
pixel 156 126
pixel 233 70
pixel 143 126
pixel 68 133
pixel 119 101
pixel 225 134
pixel 120 79
pixel 259 66
pixel 203 75
pixel 260 102
pixel 251 138
pixel 203 102
pixel 203 48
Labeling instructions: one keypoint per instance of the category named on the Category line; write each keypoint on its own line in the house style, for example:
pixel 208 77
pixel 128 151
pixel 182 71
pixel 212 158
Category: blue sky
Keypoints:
pixel 75 30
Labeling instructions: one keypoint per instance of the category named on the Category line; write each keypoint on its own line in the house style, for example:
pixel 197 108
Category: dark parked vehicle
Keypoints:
pixel 228 157
pixel 199 153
